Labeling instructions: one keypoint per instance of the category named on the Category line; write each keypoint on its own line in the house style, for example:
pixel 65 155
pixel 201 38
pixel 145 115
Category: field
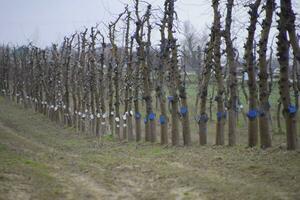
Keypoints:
pixel 115 109
pixel 41 160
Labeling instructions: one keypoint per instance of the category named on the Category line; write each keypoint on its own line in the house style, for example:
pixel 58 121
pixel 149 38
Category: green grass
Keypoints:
pixel 42 160
pixel 21 177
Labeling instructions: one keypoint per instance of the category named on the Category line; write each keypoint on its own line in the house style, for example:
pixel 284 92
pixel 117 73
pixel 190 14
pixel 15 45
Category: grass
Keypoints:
pixel 242 123
pixel 41 160
pixel 22 177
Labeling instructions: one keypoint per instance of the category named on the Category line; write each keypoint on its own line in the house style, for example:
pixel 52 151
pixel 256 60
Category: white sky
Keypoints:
pixel 47 21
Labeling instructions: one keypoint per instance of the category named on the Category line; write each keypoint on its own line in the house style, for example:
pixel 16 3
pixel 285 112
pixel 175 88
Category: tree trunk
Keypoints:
pixel 250 65
pixel 290 26
pixel 221 115
pixel 265 134
pixel 203 87
pixel 160 90
pixel 175 119
pixel 290 111
pixel 233 99
pixel 174 75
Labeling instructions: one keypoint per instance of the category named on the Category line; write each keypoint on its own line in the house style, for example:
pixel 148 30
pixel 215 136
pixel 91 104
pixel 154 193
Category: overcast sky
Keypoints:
pixel 47 21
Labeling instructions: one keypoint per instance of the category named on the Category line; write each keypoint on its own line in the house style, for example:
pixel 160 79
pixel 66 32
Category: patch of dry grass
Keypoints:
pixel 41 160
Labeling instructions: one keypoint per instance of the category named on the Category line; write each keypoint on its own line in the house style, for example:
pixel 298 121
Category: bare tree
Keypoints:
pixel 233 87
pixel 221 114
pixel 251 70
pixel 265 135
pixel 150 133
pixel 160 89
pixel 203 87
pixel 173 75
pixel 284 86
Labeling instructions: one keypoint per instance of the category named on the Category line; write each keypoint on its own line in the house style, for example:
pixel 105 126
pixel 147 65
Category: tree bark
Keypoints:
pixel 221 115
pixel 233 99
pixel 249 57
pixel 290 111
pixel 265 134
pixel 203 117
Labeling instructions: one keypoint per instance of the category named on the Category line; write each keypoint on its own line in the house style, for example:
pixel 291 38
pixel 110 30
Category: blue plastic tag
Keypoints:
pixel 138 115
pixel 171 98
pixel 292 109
pixel 252 114
pixel 145 120
pixel 151 116
pixel 221 115
pixel 183 110
pixel 203 118
pixel 162 119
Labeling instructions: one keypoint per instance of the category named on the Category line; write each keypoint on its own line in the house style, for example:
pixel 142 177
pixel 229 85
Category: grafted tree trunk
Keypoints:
pixel 221 115
pixel 251 70
pixel 127 107
pixel 295 82
pixel 233 87
pixel 57 97
pixel 117 74
pixel 265 134
pixel 110 95
pixel 79 85
pixel 67 63
pixel 138 131
pixel 290 16
pixel 174 75
pixel 74 85
pixel 130 92
pixel 102 87
pixel 137 115
pixel 150 133
pixel 84 89
pixel 184 112
pixel 160 89
pixel 115 65
pixel 289 110
pixel 203 117
pixel 95 105
pixel 5 71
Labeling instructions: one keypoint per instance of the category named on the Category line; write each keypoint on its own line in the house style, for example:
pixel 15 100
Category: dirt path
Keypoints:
pixel 41 160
